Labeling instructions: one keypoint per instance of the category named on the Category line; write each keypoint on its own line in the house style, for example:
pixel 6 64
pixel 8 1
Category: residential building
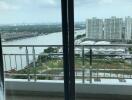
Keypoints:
pixel 113 28
pixel 128 28
pixel 94 28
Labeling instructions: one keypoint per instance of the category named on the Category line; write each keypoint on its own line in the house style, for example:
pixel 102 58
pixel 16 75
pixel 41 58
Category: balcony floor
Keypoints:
pixel 42 98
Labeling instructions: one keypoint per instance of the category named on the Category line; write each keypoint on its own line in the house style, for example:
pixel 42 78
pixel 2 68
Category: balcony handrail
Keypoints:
pixel 83 71
pixel 96 45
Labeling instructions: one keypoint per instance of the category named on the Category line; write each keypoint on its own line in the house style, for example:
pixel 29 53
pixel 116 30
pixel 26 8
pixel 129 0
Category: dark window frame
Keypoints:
pixel 1 68
pixel 68 48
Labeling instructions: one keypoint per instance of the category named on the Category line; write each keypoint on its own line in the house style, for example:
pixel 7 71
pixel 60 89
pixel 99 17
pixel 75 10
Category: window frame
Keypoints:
pixel 67 7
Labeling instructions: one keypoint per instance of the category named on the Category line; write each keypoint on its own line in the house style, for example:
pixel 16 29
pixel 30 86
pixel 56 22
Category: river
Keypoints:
pixel 10 62
pixel 19 62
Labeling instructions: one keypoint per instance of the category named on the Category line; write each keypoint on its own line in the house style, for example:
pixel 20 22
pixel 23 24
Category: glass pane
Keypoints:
pixel 103 31
pixel 32 49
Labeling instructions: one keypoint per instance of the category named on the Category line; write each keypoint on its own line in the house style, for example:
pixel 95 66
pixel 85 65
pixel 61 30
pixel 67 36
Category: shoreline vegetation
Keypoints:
pixel 10 33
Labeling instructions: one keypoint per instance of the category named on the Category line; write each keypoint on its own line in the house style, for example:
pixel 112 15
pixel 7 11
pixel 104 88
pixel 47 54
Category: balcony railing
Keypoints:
pixel 92 62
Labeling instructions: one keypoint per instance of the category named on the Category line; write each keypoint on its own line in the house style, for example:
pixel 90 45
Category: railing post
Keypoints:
pixel 131 59
pixel 83 75
pixel 4 62
pixel 34 65
pixel 83 67
pixel 16 62
pixel 21 61
pixel 10 61
pixel 90 70
pixel 83 55
pixel 131 64
pixel 110 73
pixel 124 69
pixel 27 61
pixel 104 72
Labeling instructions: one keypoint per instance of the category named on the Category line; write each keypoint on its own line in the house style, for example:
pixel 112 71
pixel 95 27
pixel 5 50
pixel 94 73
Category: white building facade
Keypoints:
pixel 128 28
pixel 113 28
pixel 94 28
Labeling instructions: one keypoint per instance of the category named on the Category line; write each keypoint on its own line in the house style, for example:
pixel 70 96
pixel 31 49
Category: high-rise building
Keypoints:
pixel 113 28
pixel 128 28
pixel 94 28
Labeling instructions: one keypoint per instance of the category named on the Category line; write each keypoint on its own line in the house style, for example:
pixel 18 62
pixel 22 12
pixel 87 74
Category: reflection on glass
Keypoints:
pixel 103 31
pixel 31 32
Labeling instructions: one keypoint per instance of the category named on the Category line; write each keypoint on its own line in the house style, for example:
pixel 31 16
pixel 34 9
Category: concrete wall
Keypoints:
pixel 58 87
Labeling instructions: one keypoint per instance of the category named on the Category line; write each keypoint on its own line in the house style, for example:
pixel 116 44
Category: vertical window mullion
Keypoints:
pixel 68 48
pixel 65 48
pixel 1 67
pixel 71 48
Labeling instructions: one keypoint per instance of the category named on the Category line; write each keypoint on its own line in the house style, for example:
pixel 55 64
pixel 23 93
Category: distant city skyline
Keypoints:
pixel 113 28
pixel 49 11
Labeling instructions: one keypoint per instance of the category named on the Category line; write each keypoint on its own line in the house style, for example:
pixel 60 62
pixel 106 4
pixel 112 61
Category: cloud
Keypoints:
pixel 48 3
pixel 49 10
pixel 4 6
pixel 45 3
pixel 28 4
pixel 52 2
pixel 103 2
pixel 80 3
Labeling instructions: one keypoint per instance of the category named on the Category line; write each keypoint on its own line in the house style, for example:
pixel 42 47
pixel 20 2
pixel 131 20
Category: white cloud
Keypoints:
pixel 49 3
pixel 52 2
pixel 28 4
pixel 44 3
pixel 115 2
pixel 4 6
pixel 102 2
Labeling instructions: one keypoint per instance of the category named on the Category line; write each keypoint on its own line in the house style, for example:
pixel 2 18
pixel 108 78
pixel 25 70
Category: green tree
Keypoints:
pixel 50 50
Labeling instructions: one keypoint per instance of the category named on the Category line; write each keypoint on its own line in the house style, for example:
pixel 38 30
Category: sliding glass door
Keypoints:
pixel 32 42
pixel 103 42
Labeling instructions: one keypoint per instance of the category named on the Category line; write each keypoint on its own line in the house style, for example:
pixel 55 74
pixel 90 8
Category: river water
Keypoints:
pixel 19 62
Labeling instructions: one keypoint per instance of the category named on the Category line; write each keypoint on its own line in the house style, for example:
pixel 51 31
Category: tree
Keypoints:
pixel 50 50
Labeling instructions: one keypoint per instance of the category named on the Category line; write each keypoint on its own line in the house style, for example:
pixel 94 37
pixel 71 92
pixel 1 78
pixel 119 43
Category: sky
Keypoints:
pixel 49 11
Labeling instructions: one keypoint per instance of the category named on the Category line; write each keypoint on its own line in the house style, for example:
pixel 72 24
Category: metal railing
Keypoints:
pixel 92 62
